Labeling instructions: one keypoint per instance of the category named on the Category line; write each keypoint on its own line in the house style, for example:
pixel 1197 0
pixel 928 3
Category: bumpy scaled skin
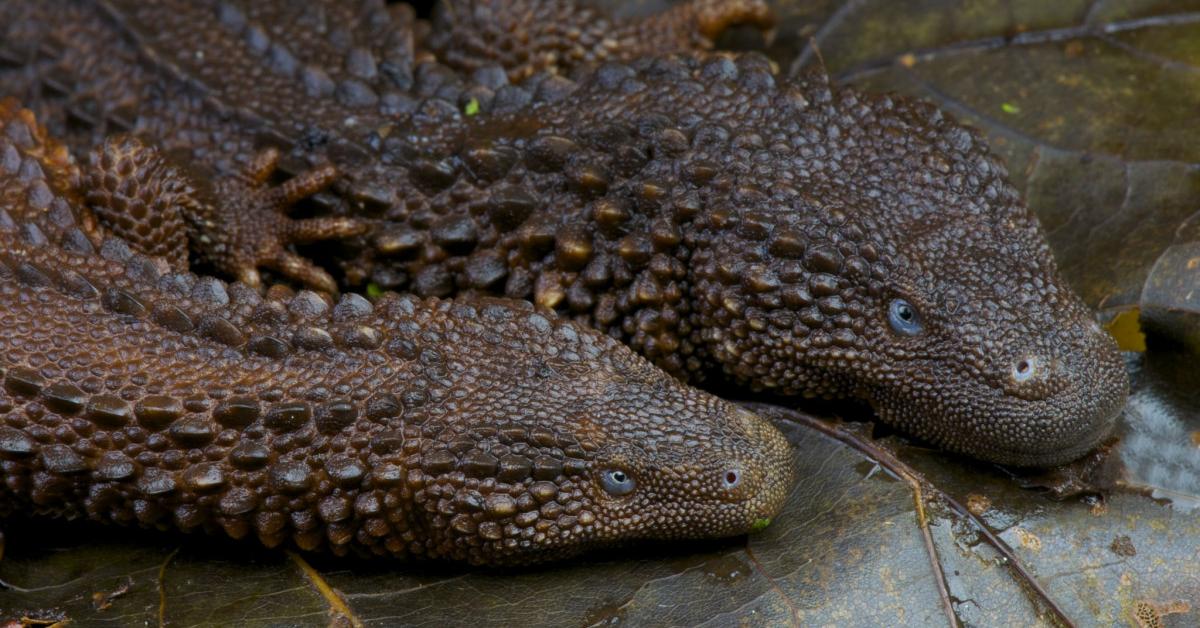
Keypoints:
pixel 476 430
pixel 715 218
pixel 768 230
pixel 325 80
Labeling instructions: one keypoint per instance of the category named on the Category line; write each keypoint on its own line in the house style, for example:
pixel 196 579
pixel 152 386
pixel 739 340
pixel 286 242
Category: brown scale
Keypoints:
pixel 803 213
pixel 133 392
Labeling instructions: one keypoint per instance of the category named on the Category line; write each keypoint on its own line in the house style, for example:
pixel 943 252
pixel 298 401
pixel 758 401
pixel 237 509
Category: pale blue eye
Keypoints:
pixel 617 482
pixel 904 318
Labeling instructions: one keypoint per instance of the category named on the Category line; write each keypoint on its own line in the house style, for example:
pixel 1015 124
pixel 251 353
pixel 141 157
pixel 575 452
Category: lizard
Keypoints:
pixel 134 392
pixel 786 235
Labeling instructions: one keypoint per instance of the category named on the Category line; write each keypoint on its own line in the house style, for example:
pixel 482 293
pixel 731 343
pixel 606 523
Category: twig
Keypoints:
pixel 162 588
pixel 920 486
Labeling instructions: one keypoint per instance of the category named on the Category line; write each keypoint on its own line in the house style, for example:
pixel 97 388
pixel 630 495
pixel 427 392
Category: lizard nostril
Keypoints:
pixel 732 479
pixel 1024 369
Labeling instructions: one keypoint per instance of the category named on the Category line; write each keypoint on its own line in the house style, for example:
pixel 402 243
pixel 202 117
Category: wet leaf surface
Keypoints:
pixel 1161 445
pixel 1094 106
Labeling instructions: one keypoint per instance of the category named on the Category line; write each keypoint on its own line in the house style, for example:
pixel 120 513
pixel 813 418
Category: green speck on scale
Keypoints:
pixel 472 107
pixel 760 524
pixel 1010 108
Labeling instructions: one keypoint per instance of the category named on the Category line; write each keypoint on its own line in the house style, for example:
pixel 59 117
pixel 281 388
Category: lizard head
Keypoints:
pixel 989 352
pixel 886 257
pixel 582 444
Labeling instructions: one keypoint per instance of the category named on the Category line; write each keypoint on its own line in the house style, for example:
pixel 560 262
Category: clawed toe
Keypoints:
pixel 317 229
pixel 303 271
pixel 712 17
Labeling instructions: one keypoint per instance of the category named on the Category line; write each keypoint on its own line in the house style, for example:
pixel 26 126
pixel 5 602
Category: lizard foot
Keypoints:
pixel 709 18
pixel 249 228
pixel 236 223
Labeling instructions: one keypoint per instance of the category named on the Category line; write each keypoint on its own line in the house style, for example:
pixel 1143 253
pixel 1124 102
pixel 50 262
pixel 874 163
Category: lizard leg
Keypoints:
pixel 237 223
pixel 528 36
pixel 140 197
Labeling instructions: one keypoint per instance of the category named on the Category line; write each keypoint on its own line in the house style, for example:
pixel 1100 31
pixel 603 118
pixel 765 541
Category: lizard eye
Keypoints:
pixel 904 318
pixel 617 482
